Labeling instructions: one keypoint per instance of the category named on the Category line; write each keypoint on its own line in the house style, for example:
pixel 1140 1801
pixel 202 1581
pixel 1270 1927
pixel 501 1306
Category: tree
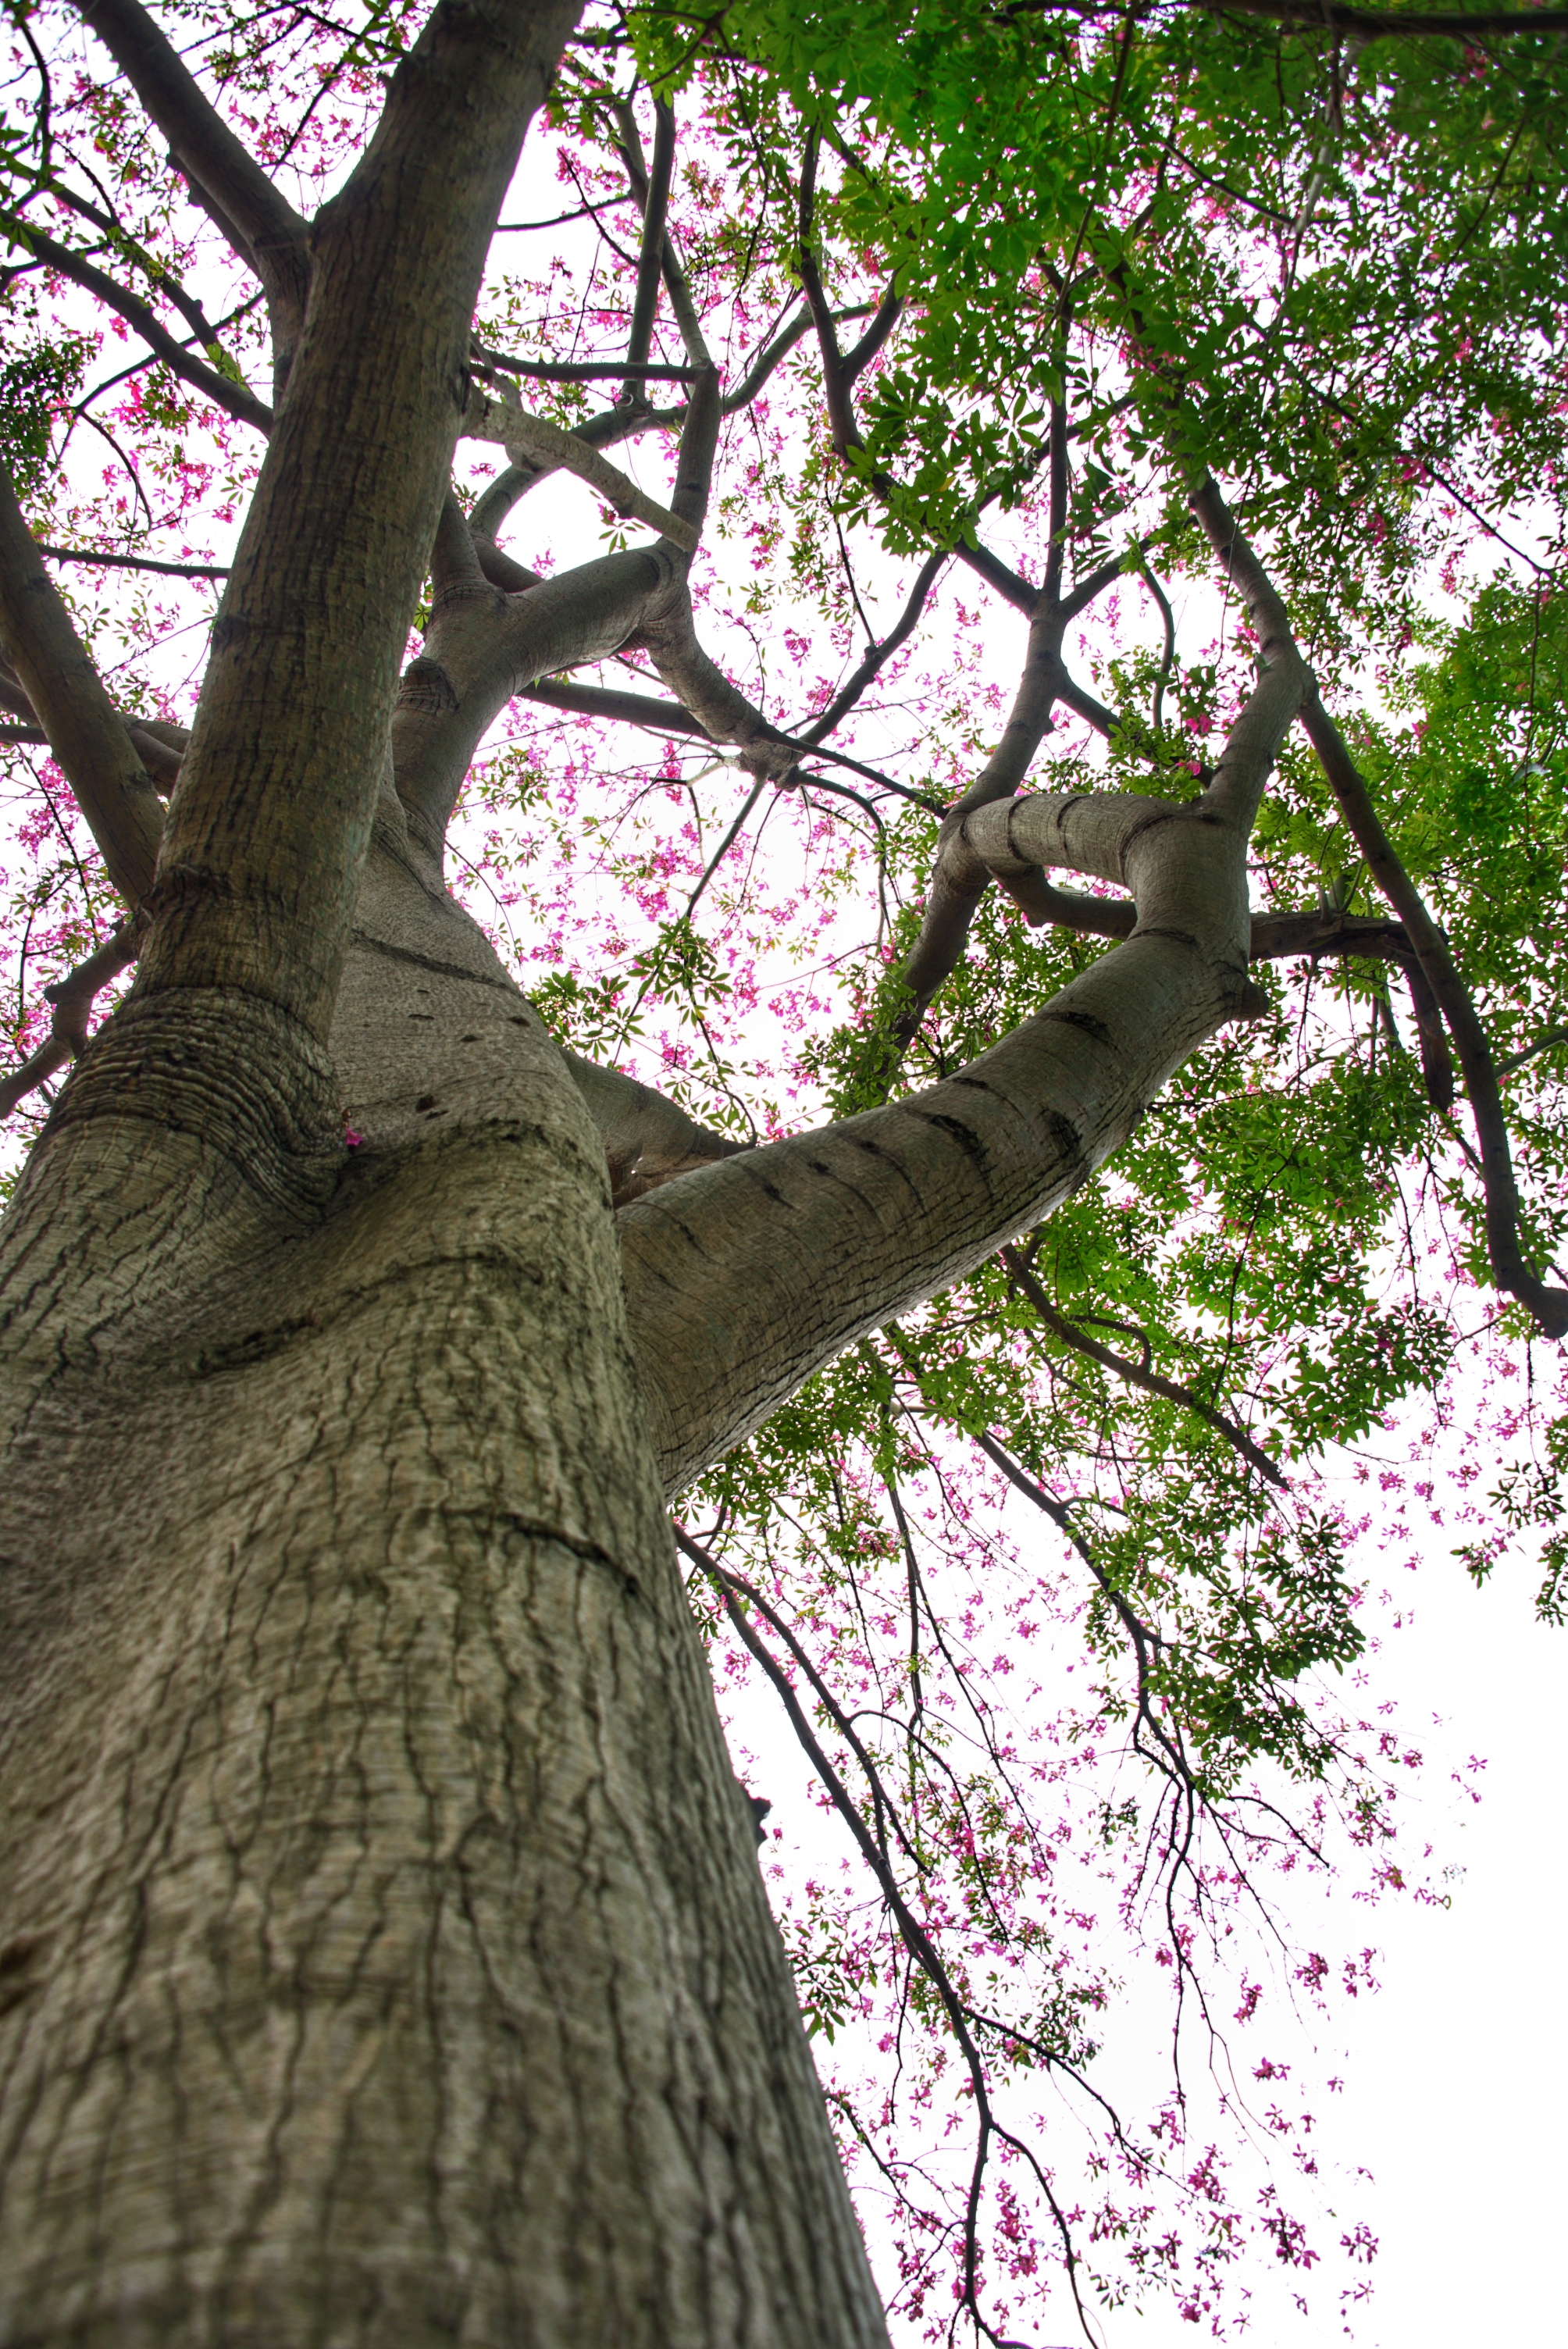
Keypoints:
pixel 387 1956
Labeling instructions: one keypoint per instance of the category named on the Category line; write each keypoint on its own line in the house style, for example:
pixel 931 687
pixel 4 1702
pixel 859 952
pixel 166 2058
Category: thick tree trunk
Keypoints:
pixel 384 1957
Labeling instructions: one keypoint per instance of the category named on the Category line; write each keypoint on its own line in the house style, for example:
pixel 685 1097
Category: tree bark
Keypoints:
pixel 386 1957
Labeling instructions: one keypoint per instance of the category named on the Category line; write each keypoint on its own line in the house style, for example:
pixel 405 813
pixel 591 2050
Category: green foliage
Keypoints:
pixel 40 368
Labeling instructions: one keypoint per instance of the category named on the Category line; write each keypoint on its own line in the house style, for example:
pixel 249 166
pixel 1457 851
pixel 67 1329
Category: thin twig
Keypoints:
pixel 1136 1374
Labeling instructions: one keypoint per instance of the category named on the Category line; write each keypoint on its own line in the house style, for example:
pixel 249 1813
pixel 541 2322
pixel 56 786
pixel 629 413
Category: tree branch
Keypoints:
pixel 650 257
pixel 628 708
pixel 960 880
pixel 190 310
pixel 135 563
pixel 87 734
pixel 235 398
pixel 754 1273
pixel 725 713
pixel 479 652
pixel 775 353
pixel 1427 949
pixel 277 795
pixel 838 380
pixel 889 311
pixel 548 447
pixel 1430 949
pixel 1136 1374
pixel 630 146
pixel 72 997
pixel 580 371
pixel 648 1141
pixel 1378 24
pixel 258 221
pixel 879 656
pixel 751 729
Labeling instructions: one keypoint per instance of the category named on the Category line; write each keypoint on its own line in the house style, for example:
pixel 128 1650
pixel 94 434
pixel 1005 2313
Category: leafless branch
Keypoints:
pixel 72 997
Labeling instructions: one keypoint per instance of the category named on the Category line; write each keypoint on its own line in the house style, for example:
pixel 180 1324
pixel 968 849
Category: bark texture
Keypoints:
pixel 385 1959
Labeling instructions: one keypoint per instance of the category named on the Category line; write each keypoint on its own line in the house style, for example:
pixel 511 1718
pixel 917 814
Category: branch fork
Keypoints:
pixel 533 441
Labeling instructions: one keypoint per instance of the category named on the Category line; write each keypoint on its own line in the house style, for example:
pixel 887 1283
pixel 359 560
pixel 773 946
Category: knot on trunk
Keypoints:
pixel 231 1068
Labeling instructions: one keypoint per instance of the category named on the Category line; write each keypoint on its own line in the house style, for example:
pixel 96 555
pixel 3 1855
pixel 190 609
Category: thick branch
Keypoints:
pixel 766 750
pixel 754 1273
pixel 1236 786
pixel 699 445
pixel 477 654
pixel 888 312
pixel 259 221
pixel 648 1141
pixel 725 713
pixel 1083 704
pixel 86 732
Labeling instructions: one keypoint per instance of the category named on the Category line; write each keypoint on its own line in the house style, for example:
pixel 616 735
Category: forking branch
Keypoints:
pixel 543 447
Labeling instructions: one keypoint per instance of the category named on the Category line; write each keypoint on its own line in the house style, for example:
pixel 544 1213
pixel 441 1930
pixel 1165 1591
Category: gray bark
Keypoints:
pixel 385 1959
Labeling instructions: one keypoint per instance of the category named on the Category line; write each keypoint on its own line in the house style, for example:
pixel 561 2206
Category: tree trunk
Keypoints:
pixel 385 1955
